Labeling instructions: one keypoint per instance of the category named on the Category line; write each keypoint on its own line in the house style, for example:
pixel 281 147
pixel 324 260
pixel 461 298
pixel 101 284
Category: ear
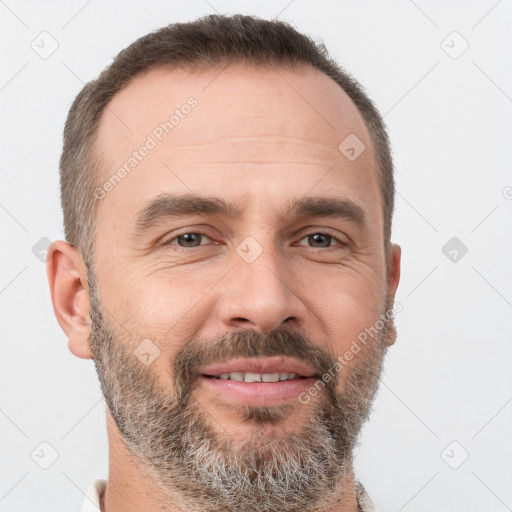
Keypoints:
pixel 67 277
pixel 393 271
pixel 393 278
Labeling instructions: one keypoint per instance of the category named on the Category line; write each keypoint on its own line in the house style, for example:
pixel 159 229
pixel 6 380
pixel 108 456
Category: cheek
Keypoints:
pixel 163 307
pixel 345 304
pixel 352 326
pixel 348 319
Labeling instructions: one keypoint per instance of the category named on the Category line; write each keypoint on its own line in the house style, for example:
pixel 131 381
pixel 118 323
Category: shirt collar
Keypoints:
pixel 364 503
pixel 92 499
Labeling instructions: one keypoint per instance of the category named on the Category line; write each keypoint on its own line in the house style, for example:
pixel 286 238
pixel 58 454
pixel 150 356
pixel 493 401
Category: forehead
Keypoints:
pixel 309 103
pixel 234 130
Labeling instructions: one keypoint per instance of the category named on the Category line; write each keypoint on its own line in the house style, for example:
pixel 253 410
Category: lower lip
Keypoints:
pixel 258 393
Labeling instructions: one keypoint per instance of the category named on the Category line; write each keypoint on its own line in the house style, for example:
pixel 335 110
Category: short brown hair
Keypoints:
pixel 206 42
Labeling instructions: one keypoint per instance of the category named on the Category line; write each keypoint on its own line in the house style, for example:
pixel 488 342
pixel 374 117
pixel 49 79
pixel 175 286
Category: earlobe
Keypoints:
pixel 67 277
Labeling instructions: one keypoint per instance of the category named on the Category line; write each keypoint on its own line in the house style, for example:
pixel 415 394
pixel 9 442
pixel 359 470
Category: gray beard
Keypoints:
pixel 179 443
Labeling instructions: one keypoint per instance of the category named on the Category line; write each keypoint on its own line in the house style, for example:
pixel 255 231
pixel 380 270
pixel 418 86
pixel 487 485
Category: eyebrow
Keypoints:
pixel 168 206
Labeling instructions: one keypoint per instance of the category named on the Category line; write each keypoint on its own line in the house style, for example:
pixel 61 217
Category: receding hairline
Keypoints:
pixel 209 40
pixel 100 154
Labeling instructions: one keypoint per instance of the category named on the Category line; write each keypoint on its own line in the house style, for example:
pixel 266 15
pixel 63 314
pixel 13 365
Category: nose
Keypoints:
pixel 261 295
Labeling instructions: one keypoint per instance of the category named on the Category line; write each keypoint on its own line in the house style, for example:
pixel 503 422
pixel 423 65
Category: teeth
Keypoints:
pixel 270 377
pixel 252 377
pixel 256 377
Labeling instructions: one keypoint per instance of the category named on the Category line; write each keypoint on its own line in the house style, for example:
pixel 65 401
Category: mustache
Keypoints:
pixel 246 344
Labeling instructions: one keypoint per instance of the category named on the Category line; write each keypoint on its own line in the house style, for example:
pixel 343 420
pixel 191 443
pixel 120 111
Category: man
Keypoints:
pixel 227 193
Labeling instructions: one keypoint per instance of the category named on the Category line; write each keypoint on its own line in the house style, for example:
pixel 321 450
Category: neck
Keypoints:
pixel 132 488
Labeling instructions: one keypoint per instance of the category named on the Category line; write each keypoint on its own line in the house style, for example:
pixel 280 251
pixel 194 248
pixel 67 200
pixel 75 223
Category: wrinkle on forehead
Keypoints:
pixel 256 112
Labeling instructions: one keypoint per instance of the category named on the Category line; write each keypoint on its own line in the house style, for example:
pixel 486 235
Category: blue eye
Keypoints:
pixel 318 240
pixel 188 240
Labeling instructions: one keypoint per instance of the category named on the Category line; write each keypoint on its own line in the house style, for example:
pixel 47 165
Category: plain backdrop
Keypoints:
pixel 439 71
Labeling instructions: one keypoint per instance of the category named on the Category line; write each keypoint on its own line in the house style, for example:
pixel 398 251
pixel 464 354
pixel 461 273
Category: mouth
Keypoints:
pixel 258 381
pixel 257 377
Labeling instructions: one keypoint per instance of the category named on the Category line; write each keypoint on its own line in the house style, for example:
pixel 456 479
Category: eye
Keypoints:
pixel 321 240
pixel 187 240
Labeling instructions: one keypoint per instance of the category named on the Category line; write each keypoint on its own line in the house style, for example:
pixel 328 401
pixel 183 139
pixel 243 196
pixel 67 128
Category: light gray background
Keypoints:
pixel 448 376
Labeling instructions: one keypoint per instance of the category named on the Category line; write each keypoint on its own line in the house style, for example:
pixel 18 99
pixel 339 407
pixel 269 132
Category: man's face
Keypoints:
pixel 183 300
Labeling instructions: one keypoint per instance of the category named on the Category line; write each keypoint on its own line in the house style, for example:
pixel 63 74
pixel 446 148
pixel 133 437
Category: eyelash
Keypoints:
pixel 340 242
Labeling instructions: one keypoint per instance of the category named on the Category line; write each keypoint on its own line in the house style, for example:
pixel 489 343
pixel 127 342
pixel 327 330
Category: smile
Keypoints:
pixel 257 377
pixel 258 381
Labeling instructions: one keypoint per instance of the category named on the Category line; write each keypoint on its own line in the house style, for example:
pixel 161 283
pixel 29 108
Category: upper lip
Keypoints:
pixel 259 365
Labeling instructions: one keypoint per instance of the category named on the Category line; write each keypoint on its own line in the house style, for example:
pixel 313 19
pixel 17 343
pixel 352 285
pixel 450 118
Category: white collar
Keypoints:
pixel 92 500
